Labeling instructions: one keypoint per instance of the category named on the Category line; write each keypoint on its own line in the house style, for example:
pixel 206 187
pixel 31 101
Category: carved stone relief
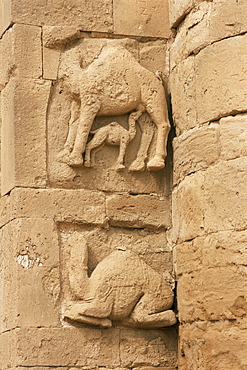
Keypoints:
pixel 113 84
pixel 102 87
pixel 122 288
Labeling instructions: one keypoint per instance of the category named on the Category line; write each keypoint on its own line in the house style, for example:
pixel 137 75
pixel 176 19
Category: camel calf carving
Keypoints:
pixel 122 288
pixel 112 134
pixel 113 84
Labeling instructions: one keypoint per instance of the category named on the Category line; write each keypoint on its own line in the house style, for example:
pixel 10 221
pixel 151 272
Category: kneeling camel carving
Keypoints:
pixel 122 288
pixel 114 84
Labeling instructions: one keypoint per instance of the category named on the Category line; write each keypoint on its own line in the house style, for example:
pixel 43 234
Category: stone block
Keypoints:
pixel 148 347
pixel 233 136
pixel 59 36
pixel 5 15
pixel 30 274
pixel 24 133
pixel 193 34
pixel 68 346
pixel 8 350
pixel 153 56
pixel 188 207
pixel 61 205
pixel 225 196
pixel 83 15
pixel 228 18
pixel 220 88
pixel 21 53
pixel 225 248
pixel 138 211
pixel 141 18
pixel 51 59
pixel 206 23
pixel 179 9
pixel 219 345
pixel 214 293
pixel 216 250
pixel 188 256
pixel 183 93
pixel 5 213
pixel 195 150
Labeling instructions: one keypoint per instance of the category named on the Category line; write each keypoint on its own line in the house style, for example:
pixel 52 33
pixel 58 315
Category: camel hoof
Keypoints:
pixel 120 167
pixel 156 164
pixel 75 161
pixel 105 323
pixel 87 164
pixel 137 167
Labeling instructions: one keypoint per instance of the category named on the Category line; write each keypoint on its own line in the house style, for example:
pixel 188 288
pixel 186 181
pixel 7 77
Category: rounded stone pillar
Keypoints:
pixel 208 82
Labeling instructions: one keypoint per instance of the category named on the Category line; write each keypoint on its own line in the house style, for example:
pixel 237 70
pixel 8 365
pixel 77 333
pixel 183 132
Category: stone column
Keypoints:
pixel 209 99
pixel 46 201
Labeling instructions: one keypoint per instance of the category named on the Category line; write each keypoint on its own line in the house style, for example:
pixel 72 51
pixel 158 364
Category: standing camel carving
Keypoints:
pixel 121 288
pixel 112 134
pixel 113 84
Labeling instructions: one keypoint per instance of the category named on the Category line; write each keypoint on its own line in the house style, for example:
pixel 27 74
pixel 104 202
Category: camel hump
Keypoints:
pixel 113 124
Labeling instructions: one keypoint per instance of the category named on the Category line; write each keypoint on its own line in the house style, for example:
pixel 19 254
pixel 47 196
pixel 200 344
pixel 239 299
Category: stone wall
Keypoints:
pixel 46 201
pixel 208 87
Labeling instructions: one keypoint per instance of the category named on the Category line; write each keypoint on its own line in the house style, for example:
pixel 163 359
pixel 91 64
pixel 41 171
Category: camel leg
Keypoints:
pixel 73 123
pixel 122 150
pixel 142 315
pixel 78 265
pixel 160 118
pixel 73 312
pixel 156 106
pixel 97 142
pixel 86 119
pixel 63 156
pixel 147 134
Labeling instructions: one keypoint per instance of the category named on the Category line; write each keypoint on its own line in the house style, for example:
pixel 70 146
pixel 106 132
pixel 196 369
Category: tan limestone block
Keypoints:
pixel 225 196
pixel 51 59
pixel 31 278
pixel 141 18
pixel 220 345
pixel 21 53
pixel 195 150
pixel 138 211
pixel 233 136
pixel 214 68
pixel 179 9
pixel 68 347
pixel 58 36
pixel 193 34
pixel 225 248
pixel 188 206
pixel 228 18
pixel 156 348
pixel 219 249
pixel 153 56
pixel 212 294
pixel 5 15
pixel 8 349
pixel 61 205
pixel 187 256
pixel 83 15
pixel 24 104
pixel 183 93
pixel 5 212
